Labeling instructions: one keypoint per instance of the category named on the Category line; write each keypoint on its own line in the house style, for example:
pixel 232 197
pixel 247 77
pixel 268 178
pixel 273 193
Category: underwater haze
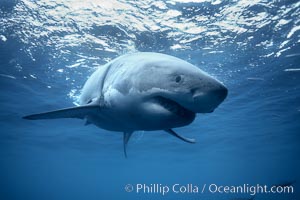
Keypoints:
pixel 48 49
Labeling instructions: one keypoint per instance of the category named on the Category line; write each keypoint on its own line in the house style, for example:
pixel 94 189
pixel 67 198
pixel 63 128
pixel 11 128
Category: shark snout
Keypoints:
pixel 210 98
pixel 220 92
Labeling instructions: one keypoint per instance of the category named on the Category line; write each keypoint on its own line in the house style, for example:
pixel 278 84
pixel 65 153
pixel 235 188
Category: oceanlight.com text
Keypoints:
pixel 164 189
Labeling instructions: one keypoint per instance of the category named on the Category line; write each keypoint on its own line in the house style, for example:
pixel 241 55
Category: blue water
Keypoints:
pixel 48 49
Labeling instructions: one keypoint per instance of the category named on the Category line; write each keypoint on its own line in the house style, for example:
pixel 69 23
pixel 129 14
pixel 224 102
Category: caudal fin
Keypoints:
pixel 75 112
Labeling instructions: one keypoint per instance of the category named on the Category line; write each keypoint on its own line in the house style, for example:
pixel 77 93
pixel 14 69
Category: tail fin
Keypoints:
pixel 75 112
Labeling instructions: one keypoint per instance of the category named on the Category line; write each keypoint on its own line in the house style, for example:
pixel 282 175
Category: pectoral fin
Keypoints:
pixel 189 140
pixel 75 112
pixel 87 122
pixel 126 138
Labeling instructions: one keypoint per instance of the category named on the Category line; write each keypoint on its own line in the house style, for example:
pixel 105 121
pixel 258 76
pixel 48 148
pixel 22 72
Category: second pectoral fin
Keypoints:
pixel 189 140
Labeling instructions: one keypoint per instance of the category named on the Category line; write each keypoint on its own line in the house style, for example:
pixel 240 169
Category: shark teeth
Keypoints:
pixel 173 107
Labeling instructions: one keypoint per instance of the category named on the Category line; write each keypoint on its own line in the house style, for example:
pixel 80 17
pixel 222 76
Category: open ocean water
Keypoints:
pixel 48 49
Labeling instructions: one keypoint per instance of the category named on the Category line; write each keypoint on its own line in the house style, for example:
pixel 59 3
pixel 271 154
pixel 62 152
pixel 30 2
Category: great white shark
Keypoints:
pixel 144 91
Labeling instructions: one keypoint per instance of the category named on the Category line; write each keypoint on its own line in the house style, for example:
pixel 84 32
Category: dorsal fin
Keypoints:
pixel 126 137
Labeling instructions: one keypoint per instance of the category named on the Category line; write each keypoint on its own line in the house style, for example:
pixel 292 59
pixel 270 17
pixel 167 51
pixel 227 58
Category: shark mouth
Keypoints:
pixel 174 107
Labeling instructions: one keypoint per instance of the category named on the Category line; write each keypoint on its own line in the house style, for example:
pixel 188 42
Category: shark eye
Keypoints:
pixel 90 101
pixel 178 79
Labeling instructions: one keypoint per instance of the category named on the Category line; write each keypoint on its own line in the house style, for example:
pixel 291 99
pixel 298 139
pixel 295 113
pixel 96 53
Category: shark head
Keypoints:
pixel 194 90
pixel 178 85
